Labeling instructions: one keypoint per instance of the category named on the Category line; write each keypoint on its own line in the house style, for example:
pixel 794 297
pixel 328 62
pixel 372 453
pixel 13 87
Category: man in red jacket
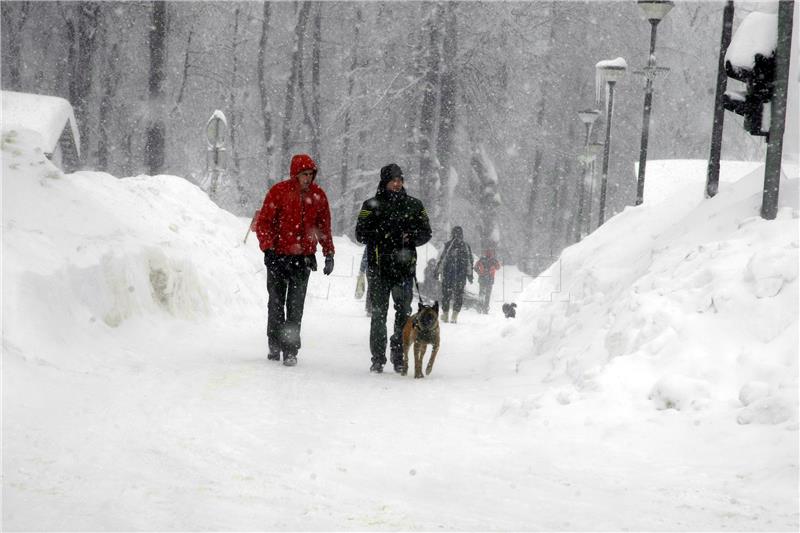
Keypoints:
pixel 294 218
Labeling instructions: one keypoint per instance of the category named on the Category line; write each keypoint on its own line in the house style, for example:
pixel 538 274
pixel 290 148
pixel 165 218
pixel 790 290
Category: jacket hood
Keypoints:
pixel 301 162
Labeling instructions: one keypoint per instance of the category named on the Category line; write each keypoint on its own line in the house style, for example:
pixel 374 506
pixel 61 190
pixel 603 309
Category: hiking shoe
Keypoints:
pixel 376 367
pixel 289 359
pixel 274 356
pixel 399 368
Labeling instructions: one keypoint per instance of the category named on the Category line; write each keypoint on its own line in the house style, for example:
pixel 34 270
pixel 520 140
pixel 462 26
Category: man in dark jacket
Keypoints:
pixel 392 224
pixel 294 217
pixel 455 267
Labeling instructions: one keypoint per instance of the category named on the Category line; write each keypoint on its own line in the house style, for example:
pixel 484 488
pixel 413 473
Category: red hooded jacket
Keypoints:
pixel 291 221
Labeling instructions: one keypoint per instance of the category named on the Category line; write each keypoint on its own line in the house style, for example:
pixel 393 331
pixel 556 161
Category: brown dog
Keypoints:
pixel 421 329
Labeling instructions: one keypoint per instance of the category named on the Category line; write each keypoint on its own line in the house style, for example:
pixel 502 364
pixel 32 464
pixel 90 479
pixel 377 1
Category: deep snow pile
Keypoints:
pixel 688 304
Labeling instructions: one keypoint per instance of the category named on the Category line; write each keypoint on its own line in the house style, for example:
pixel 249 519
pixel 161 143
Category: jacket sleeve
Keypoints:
pixel 421 227
pixel 323 224
pixel 266 223
pixel 366 224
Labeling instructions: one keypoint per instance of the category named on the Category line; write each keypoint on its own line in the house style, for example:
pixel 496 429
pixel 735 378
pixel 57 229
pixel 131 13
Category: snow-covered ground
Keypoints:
pixel 649 381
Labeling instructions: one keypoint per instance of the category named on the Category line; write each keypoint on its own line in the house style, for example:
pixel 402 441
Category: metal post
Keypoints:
pixel 606 152
pixel 772 170
pixel 712 174
pixel 650 73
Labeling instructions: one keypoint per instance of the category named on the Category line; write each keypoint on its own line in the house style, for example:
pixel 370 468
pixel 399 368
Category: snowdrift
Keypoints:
pixel 682 303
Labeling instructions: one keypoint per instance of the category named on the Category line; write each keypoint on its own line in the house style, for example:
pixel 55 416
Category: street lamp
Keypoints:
pixel 654 10
pixel 588 117
pixel 591 153
pixel 609 72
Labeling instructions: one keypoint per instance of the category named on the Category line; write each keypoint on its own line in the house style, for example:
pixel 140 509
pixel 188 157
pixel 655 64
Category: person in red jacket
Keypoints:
pixel 294 218
pixel 486 267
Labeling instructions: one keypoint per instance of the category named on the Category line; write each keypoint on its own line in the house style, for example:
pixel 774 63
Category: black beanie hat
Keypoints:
pixel 388 173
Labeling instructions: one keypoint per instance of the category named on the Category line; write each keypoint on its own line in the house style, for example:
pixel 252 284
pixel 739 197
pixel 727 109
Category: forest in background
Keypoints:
pixel 454 92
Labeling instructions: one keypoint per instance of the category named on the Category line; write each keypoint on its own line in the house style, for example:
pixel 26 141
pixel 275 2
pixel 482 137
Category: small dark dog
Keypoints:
pixel 421 329
pixel 510 310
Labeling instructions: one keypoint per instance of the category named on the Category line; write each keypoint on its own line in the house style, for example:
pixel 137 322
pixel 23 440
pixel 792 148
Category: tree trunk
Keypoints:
pixel 233 117
pixel 534 219
pixel 82 33
pixel 485 177
pixel 154 143
pixel 266 105
pixel 316 115
pixel 448 98
pixel 429 185
pixel 14 17
pixel 344 214
pixel 291 83
pixel 110 84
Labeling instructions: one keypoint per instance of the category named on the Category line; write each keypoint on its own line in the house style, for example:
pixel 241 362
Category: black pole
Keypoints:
pixel 606 153
pixel 772 169
pixel 712 175
pixel 648 104
pixel 582 187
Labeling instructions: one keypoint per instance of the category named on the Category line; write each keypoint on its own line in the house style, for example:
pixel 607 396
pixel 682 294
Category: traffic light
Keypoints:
pixel 752 103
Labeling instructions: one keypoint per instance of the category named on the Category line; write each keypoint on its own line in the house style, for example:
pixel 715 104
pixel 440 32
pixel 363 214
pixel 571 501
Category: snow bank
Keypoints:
pixel 88 248
pixel 682 303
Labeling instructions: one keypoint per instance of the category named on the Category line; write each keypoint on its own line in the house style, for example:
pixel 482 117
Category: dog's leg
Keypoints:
pixel 406 346
pixel 419 351
pixel 434 351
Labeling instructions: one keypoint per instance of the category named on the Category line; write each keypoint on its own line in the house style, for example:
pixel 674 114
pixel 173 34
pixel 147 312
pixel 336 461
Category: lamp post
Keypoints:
pixel 654 10
pixel 610 72
pixel 593 151
pixel 588 117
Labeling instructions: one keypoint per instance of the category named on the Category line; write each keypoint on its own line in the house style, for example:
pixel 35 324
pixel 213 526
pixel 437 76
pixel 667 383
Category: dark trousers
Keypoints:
pixel 485 293
pixel 287 282
pixel 453 291
pixel 402 294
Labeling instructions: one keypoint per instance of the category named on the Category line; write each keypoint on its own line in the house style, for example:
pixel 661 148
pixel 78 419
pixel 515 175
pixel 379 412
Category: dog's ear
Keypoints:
pixel 436 306
pixel 513 304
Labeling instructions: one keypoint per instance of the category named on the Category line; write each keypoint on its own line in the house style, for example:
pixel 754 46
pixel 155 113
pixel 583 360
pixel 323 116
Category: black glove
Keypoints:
pixel 328 265
pixel 269 258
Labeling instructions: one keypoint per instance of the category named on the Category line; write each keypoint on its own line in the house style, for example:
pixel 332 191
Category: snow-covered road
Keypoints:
pixel 657 391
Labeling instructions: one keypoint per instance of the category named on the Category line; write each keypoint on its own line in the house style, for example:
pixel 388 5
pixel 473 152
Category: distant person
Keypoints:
pixel 430 282
pixel 363 284
pixel 392 224
pixel 486 267
pixel 455 267
pixel 294 217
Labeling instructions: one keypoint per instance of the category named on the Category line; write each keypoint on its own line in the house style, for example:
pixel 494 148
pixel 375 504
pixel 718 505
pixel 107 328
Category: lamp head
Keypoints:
pixel 655 10
pixel 588 116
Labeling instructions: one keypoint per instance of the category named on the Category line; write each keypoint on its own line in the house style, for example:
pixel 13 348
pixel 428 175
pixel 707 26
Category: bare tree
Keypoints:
pixel 448 99
pixel 81 33
pixel 292 82
pixel 109 86
pixel 429 177
pixel 344 177
pixel 155 134
pixel 14 16
pixel 266 104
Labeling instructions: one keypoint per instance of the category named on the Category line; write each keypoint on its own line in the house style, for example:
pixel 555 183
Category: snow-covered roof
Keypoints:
pixel 46 115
